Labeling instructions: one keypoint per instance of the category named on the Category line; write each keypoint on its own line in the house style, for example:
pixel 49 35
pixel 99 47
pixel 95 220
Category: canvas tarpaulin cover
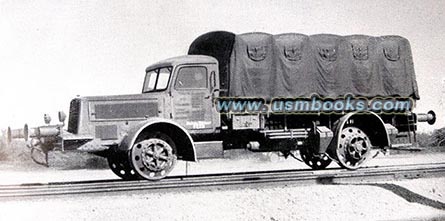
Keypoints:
pixel 297 65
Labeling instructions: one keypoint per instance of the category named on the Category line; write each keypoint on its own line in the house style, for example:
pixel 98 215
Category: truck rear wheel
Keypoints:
pixel 154 156
pixel 354 147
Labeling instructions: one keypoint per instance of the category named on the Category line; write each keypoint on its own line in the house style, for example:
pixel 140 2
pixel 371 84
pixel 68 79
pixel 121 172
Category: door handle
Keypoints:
pixel 212 95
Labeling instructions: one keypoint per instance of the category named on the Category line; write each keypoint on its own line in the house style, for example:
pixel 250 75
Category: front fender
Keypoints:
pixel 183 140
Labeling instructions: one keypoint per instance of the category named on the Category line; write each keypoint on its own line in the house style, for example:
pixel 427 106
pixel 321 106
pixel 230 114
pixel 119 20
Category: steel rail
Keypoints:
pixel 329 176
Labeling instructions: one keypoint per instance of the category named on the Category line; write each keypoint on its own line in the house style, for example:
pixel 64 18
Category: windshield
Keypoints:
pixel 157 79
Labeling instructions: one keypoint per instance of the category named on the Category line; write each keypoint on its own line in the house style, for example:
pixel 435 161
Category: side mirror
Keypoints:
pixel 62 116
pixel 46 118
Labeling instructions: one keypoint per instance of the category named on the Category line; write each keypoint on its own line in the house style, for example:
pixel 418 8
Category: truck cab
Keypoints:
pixel 188 85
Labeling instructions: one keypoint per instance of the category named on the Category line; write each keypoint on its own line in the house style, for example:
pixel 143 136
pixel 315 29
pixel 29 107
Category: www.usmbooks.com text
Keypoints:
pixel 314 104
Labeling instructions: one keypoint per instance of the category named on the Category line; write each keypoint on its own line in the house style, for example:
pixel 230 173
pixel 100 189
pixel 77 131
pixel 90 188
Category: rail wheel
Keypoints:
pixel 314 161
pixel 118 163
pixel 354 147
pixel 154 156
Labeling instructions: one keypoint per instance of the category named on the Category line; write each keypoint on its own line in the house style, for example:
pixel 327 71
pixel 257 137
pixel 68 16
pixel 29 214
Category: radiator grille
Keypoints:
pixel 73 121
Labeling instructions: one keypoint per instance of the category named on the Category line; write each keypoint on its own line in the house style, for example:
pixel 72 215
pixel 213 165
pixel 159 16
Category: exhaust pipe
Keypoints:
pixel 429 117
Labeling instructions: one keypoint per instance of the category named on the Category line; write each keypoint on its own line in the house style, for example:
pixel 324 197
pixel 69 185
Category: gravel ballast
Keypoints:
pixel 418 199
pixel 281 202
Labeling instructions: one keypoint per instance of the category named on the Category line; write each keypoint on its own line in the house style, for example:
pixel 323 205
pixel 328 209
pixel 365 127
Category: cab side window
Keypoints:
pixel 191 77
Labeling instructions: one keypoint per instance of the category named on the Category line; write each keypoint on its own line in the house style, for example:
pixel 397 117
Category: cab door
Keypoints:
pixel 193 91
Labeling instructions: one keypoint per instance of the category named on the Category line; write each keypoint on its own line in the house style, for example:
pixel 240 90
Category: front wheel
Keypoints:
pixel 154 156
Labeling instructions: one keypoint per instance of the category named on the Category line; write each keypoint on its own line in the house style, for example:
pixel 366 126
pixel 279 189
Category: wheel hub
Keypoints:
pixel 357 147
pixel 155 155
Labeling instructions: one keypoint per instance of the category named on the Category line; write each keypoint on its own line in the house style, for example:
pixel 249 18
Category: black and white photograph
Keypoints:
pixel 222 110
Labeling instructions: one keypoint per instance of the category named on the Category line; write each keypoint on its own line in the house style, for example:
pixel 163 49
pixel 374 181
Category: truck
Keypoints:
pixel 180 113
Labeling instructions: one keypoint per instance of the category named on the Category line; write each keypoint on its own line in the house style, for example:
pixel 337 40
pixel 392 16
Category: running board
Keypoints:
pixel 406 147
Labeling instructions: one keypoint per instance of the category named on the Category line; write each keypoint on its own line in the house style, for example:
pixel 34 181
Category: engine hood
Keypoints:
pixel 123 107
pixel 89 113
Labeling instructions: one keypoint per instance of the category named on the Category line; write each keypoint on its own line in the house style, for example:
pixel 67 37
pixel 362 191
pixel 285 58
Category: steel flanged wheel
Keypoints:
pixel 153 158
pixel 315 162
pixel 118 163
pixel 353 148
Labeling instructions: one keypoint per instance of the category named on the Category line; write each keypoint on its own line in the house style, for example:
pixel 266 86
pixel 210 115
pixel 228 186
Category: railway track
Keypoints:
pixel 377 173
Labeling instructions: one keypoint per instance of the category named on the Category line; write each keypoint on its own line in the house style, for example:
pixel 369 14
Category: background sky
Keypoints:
pixel 53 50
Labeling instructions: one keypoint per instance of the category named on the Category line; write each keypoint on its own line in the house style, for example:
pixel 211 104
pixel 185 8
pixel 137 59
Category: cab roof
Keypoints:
pixel 186 59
